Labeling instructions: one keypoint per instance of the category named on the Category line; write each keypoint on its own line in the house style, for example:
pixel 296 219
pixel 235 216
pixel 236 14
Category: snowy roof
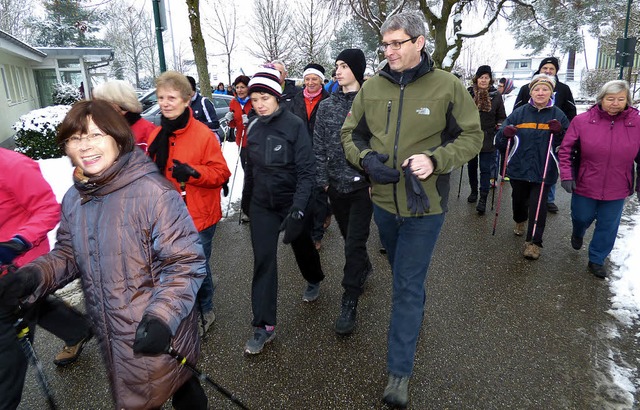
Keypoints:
pixel 78 52
pixel 12 45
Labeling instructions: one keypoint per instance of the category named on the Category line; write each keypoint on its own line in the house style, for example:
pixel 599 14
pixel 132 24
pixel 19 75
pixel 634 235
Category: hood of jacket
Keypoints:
pixel 425 66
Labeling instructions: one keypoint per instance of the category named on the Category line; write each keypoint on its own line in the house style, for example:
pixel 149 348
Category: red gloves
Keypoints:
pixel 555 126
pixel 509 131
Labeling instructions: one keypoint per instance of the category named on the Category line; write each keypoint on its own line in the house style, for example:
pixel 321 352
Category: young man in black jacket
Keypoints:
pixel 203 109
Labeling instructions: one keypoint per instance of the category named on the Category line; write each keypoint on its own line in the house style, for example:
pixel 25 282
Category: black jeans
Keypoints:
pixel 353 212
pixel 13 362
pixel 265 230
pixel 525 201
pixel 63 321
pixel 247 187
pixel 190 396
pixel 320 210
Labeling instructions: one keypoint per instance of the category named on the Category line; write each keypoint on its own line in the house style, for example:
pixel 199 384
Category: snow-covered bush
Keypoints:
pixel 595 79
pixel 36 132
pixel 65 94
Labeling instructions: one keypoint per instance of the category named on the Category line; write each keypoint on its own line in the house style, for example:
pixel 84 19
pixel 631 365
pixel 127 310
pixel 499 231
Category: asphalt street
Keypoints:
pixel 500 332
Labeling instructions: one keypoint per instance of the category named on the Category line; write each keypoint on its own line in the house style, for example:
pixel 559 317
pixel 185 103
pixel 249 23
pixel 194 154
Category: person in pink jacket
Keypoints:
pixel 596 167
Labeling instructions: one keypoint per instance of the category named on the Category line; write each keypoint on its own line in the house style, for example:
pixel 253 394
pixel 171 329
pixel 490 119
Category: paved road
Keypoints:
pixel 500 332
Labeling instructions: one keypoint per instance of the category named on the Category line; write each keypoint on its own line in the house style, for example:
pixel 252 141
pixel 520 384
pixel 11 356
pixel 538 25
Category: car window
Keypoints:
pixel 220 102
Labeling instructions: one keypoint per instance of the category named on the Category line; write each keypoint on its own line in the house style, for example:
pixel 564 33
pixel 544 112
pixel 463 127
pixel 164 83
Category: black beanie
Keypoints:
pixel 192 81
pixel 483 69
pixel 552 60
pixel 355 59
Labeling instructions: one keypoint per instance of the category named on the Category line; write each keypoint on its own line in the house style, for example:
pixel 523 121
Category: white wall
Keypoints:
pixel 17 92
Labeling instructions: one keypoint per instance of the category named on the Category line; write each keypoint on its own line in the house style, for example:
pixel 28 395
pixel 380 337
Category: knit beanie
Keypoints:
pixel 484 69
pixel 192 81
pixel 266 80
pixel 552 60
pixel 355 59
pixel 542 79
pixel 313 68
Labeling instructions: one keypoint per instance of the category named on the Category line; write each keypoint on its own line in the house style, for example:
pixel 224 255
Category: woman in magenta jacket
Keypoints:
pixel 608 138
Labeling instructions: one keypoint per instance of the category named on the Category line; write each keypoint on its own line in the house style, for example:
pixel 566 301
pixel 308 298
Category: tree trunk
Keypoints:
pixel 199 49
pixel 571 64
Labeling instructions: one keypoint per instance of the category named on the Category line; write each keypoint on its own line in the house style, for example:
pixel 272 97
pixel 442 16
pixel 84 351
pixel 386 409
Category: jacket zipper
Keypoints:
pixel 395 149
pixel 386 131
pixel 608 159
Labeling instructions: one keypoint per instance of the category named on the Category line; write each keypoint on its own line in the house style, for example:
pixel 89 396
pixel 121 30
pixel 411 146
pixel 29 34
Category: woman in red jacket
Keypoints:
pixel 238 118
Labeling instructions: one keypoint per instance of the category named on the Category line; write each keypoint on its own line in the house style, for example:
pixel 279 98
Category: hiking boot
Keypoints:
pixel 244 218
pixel 519 228
pixel 531 251
pixel 70 354
pixel 207 320
pixel 260 338
pixel 576 243
pixel 347 320
pixel 553 208
pixel 312 292
pixel 482 203
pixel 473 197
pixel 598 270
pixel 396 394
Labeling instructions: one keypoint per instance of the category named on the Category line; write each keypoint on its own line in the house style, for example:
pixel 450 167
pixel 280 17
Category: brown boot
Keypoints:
pixel 531 251
pixel 520 227
pixel 70 354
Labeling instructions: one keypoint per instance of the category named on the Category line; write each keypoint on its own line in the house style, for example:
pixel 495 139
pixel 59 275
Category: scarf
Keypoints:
pixel 131 117
pixel 243 101
pixel 482 99
pixel 89 186
pixel 159 148
pixel 310 96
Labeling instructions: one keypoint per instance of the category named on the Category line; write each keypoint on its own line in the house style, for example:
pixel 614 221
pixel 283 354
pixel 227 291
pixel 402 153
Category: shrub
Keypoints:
pixel 36 132
pixel 65 94
pixel 595 79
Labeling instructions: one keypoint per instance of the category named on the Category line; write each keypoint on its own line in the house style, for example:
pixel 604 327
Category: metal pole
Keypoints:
pixel 173 42
pixel 626 31
pixel 156 18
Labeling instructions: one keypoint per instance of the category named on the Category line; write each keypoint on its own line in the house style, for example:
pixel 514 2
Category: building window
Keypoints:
pixel 6 83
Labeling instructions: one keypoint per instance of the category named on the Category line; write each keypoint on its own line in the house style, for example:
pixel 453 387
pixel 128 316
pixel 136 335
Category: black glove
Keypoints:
pixel 373 164
pixel 569 185
pixel 509 131
pixel 11 249
pixel 18 284
pixel 293 225
pixel 225 188
pixel 152 337
pixel 417 200
pixel 183 171
pixel 554 126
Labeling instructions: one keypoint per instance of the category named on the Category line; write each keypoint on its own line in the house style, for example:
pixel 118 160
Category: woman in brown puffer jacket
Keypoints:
pixel 126 232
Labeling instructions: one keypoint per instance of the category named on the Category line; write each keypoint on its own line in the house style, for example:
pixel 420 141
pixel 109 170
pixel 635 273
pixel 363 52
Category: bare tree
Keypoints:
pixel 199 48
pixel 270 33
pixel 314 26
pixel 223 29
pixel 125 33
pixel 182 62
pixel 150 59
pixel 13 17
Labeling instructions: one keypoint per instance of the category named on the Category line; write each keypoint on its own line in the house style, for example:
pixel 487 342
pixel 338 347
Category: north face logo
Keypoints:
pixel 423 111
pixel 277 148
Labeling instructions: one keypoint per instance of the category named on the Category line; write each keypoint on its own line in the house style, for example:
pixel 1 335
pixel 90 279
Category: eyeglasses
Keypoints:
pixel 395 45
pixel 74 141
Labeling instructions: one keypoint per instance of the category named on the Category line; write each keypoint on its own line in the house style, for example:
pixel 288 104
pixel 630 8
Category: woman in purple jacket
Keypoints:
pixel 608 139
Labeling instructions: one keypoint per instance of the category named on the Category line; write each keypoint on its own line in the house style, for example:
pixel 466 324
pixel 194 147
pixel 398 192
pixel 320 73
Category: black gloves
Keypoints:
pixel 17 285
pixel 225 188
pixel 292 225
pixel 373 164
pixel 417 200
pixel 152 337
pixel 13 248
pixel 509 131
pixel 554 126
pixel 183 171
pixel 569 185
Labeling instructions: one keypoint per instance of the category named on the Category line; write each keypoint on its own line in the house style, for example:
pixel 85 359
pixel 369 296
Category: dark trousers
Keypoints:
pixel 320 210
pixel 190 396
pixel 247 187
pixel 63 321
pixel 353 212
pixel 265 230
pixel 13 363
pixel 486 162
pixel 525 201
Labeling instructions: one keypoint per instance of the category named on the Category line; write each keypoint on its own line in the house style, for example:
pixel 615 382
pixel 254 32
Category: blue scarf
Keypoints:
pixel 242 101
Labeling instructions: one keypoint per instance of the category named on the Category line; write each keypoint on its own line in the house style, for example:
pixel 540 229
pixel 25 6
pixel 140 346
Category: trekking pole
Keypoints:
pixel 460 183
pixel 504 173
pixel 544 176
pixel 233 181
pixel 495 177
pixel 203 377
pixel 29 352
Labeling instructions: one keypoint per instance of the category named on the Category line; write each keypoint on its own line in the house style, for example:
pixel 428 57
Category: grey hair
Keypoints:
pixel 120 93
pixel 281 63
pixel 614 87
pixel 411 22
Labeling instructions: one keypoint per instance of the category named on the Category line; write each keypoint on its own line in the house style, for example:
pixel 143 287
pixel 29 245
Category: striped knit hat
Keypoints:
pixel 544 80
pixel 266 80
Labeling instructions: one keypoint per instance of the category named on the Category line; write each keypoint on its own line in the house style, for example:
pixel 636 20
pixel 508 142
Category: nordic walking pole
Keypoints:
pixel 233 182
pixel 30 353
pixel 460 183
pixel 204 378
pixel 544 176
pixel 495 178
pixel 504 173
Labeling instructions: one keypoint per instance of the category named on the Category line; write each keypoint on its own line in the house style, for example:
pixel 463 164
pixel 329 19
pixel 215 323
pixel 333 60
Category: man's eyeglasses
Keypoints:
pixel 74 141
pixel 395 45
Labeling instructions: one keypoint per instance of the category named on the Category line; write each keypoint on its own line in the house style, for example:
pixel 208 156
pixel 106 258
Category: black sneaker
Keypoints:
pixel 473 197
pixel 396 394
pixel 481 208
pixel 576 243
pixel 553 208
pixel 597 270
pixel 347 320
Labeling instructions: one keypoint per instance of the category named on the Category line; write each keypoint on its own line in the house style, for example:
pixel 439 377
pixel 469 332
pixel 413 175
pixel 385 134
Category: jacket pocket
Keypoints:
pixel 278 151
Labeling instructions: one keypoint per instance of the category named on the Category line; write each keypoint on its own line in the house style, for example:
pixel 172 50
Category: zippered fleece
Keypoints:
pixel 432 114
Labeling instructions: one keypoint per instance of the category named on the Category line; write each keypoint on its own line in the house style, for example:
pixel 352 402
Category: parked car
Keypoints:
pixel 220 103
pixel 148 99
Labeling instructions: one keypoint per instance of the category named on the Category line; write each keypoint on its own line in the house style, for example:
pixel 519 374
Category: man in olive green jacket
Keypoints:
pixel 414 120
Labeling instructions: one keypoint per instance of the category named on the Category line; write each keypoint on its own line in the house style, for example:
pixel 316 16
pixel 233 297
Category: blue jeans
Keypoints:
pixel 409 243
pixel 607 215
pixel 551 198
pixel 205 294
